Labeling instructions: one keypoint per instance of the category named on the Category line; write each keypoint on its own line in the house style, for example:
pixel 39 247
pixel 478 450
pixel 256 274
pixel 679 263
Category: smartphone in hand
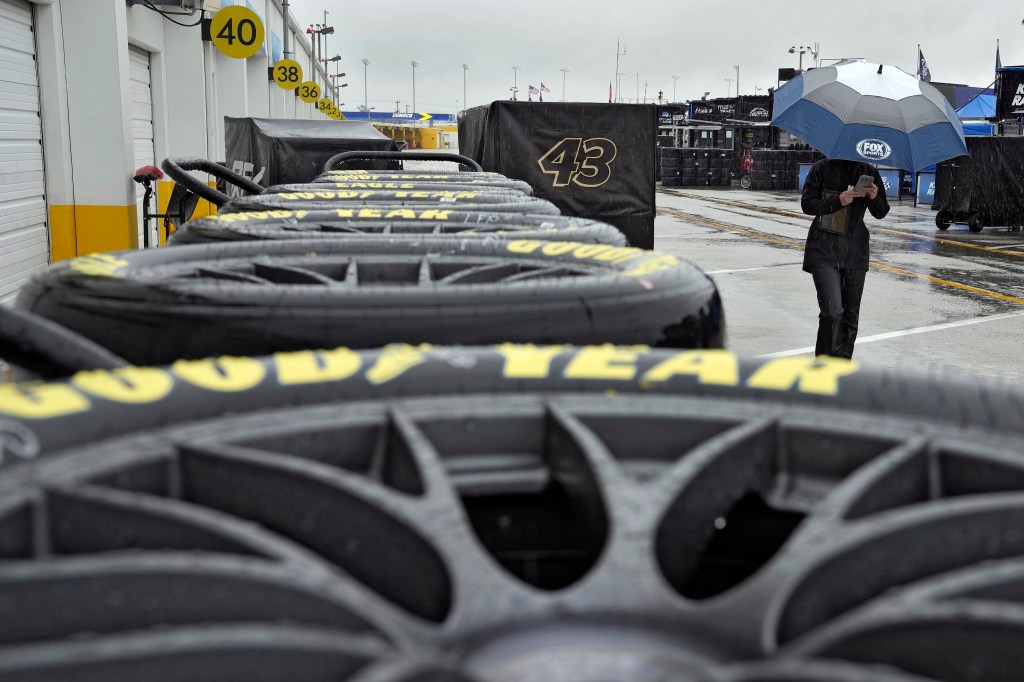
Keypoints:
pixel 863 183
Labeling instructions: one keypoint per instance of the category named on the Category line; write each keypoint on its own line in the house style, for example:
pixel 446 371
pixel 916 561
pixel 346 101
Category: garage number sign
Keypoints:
pixel 237 32
pixel 288 74
pixel 309 92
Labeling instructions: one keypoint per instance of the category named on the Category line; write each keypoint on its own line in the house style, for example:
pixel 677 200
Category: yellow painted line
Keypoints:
pixel 955 285
pixel 880 266
pixel 888 230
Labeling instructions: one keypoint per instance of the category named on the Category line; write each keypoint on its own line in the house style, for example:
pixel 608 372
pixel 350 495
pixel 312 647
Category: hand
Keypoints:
pixel 847 197
pixel 871 191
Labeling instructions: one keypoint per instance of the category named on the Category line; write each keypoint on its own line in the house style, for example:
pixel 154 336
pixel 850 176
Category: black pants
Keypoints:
pixel 839 293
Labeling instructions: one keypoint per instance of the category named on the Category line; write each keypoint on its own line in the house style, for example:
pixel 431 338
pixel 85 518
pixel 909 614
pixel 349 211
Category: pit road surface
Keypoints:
pixel 951 301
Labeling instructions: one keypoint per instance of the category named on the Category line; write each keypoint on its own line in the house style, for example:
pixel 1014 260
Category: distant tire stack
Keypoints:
pixel 364 259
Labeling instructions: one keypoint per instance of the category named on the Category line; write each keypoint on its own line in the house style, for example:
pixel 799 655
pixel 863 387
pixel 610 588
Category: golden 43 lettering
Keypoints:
pixel 583 162
pixel 631 365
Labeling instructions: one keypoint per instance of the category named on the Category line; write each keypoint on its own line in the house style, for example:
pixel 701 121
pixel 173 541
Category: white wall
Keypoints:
pixel 87 121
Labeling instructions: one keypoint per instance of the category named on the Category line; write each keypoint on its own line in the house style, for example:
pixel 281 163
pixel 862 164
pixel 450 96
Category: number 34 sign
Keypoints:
pixel 584 162
pixel 237 32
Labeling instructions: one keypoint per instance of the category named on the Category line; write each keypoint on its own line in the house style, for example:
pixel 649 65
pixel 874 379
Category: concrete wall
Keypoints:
pixel 82 57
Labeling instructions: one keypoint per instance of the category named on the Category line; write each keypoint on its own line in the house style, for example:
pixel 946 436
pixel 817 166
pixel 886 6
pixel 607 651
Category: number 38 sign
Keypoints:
pixel 583 162
pixel 237 32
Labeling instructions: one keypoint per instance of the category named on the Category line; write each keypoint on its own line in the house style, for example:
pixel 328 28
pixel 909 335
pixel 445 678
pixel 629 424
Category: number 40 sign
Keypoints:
pixel 237 32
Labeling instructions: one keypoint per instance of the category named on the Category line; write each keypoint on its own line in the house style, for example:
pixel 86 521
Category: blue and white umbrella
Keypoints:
pixel 867 112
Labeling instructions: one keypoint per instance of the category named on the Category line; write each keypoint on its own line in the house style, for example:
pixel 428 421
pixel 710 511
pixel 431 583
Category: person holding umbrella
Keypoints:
pixel 837 250
pixel 857 114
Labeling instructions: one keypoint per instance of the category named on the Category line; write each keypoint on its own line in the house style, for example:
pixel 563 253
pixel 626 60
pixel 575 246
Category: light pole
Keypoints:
pixel 336 58
pixel 737 67
pixel 804 49
pixel 675 81
pixel 515 81
pixel 729 87
pixel 617 74
pixel 366 100
pixel 564 71
pixel 465 68
pixel 414 65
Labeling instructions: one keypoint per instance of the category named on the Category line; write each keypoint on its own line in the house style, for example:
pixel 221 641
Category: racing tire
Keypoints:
pixel 402 185
pixel 36 348
pixel 719 520
pixel 328 225
pixel 943 219
pixel 405 177
pixel 258 297
pixel 324 200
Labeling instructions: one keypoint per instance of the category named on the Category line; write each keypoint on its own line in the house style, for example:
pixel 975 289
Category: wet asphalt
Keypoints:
pixel 950 301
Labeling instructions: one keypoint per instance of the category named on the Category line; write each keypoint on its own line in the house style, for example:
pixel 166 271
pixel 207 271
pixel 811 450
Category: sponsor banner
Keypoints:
pixel 398 117
pixel 1010 97
pixel 731 110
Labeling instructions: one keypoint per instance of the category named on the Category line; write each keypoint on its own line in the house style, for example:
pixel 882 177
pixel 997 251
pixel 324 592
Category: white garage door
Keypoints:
pixel 24 242
pixel 142 121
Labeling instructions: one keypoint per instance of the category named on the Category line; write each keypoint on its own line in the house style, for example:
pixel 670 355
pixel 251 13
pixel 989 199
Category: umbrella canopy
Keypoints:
pixel 868 112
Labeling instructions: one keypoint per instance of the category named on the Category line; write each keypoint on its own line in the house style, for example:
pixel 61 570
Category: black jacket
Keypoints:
pixel 848 251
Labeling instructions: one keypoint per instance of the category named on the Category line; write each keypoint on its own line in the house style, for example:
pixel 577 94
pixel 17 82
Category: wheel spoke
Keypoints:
pixel 352 273
pixel 209 272
pixel 540 273
pixel 286 274
pixel 482 274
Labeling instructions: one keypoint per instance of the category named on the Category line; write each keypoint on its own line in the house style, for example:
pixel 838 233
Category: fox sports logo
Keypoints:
pixel 876 150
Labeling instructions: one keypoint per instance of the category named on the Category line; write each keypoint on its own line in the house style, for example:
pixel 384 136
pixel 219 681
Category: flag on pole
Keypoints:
pixel 923 72
pixel 609 92
pixel 544 88
pixel 534 91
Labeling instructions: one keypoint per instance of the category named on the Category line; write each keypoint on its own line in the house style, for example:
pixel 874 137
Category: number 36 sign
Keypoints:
pixel 237 32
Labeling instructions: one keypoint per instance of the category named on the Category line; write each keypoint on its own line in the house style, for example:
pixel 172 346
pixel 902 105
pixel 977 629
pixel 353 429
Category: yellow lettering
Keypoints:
pixel 646 267
pixel 604 362
pixel 369 213
pixel 394 360
pixel 406 213
pixel 310 367
pixel 41 401
pixel 435 214
pixel 100 264
pixel 327 195
pixel 811 375
pixel 590 250
pixel 718 367
pixel 527 361
pixel 224 374
pixel 345 212
pixel 524 245
pixel 558 248
pixel 623 253
pixel 126 385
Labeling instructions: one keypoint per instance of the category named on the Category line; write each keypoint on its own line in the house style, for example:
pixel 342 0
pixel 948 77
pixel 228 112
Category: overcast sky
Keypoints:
pixel 698 41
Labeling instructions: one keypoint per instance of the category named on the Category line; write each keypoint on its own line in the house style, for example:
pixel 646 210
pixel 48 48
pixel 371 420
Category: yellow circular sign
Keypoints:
pixel 325 105
pixel 237 32
pixel 288 74
pixel 309 92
